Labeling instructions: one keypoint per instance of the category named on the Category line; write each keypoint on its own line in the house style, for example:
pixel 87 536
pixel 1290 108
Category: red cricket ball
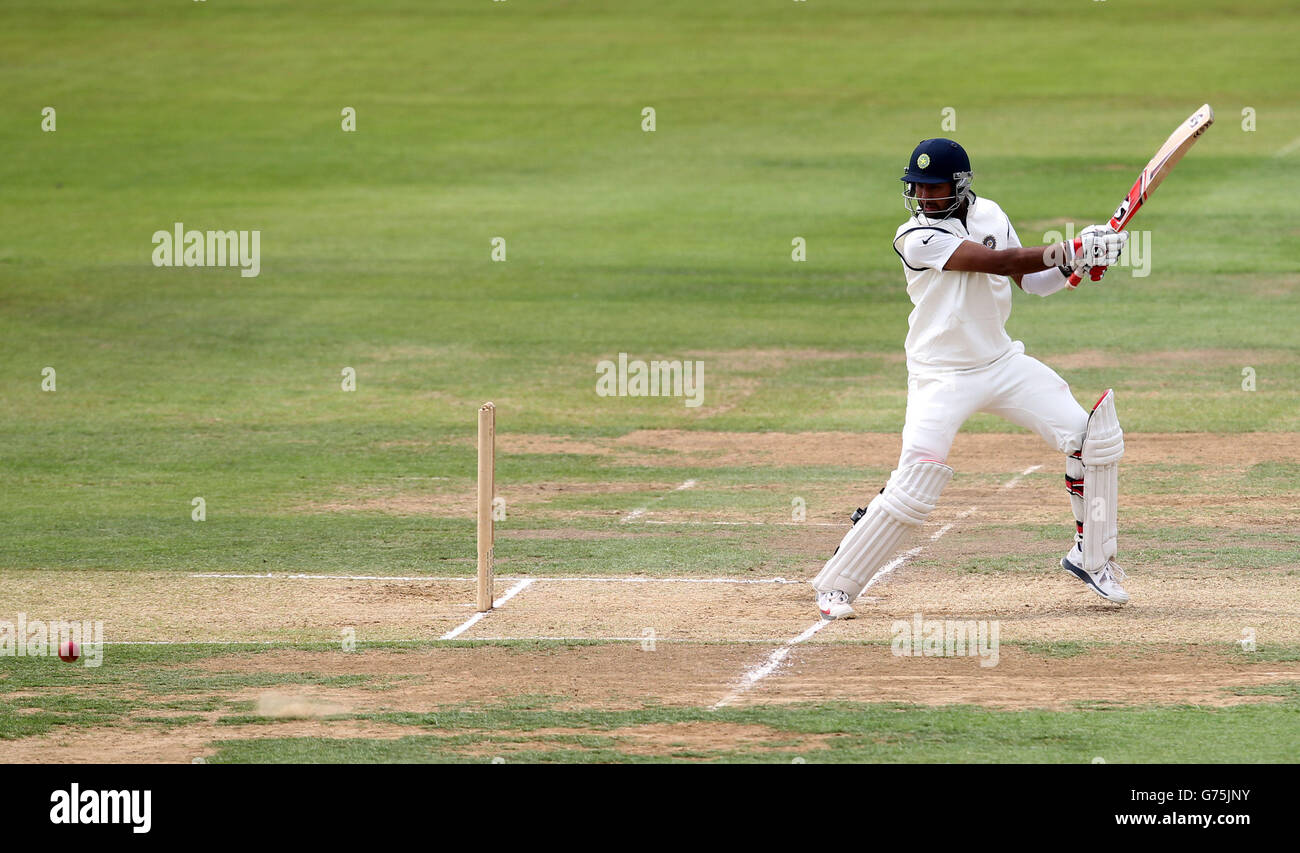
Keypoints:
pixel 68 651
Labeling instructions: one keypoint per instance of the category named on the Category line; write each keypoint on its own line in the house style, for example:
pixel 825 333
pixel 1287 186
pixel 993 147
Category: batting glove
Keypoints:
pixel 1097 246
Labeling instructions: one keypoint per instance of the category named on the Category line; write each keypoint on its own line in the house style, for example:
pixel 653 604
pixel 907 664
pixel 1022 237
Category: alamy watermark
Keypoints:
pixel 946 638
pixel 1136 254
pixel 181 248
pixel 638 378
pixel 47 638
pixel 133 808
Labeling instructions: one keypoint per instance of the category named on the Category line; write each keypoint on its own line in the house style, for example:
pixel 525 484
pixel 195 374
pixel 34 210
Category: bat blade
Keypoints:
pixel 1158 168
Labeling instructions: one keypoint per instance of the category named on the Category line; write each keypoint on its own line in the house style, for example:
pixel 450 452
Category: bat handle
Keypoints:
pixel 1074 276
pixel 1115 225
pixel 1095 273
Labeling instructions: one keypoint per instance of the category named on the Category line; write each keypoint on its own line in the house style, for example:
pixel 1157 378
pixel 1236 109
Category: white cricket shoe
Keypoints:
pixel 1104 581
pixel 835 605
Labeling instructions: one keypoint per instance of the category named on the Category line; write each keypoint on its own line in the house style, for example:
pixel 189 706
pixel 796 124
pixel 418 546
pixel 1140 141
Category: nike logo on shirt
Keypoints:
pixel 927 240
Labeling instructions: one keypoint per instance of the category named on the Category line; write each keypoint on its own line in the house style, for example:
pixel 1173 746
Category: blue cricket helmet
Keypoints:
pixel 938 161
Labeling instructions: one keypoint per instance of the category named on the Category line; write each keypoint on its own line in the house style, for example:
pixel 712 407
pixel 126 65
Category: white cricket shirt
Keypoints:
pixel 959 321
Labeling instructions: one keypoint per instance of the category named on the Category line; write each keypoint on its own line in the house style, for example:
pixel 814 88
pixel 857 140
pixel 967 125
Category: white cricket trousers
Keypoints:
pixel 1016 387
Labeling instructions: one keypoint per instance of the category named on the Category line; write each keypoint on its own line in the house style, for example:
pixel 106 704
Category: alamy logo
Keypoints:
pixel 181 248
pixel 91 806
pixel 946 638
pixel 654 379
pixel 1136 255
pixel 37 638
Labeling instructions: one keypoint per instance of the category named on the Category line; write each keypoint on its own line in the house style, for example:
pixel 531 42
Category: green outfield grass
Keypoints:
pixel 858 732
pixel 522 120
pixel 169 692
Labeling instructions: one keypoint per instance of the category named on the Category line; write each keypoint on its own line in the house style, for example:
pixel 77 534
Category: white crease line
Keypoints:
pixel 300 577
pixel 1288 148
pixel 670 580
pixel 202 642
pixel 942 530
pixel 380 644
pixel 907 555
pixel 756 523
pixel 598 639
pixel 769 666
pixel 1024 473
pixel 471 621
pixel 637 513
pixel 774 660
pixel 471 579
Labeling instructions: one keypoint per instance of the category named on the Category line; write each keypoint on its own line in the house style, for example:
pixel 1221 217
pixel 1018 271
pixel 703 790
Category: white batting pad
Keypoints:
pixel 1103 445
pixel 908 498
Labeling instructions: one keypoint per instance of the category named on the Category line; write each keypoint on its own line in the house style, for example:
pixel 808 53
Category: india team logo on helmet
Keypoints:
pixel 938 161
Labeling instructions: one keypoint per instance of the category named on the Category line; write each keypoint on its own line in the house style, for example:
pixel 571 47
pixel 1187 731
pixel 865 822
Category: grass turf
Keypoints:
pixel 774 120
pixel 523 121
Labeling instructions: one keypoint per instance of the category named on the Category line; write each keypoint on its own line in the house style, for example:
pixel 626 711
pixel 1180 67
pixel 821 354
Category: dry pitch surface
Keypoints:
pixel 707 642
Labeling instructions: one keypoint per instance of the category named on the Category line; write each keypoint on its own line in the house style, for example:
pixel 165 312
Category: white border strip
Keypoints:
pixel 640 511
pixel 673 580
pixel 746 523
pixel 471 621
pixel 774 660
pixel 778 656
pixel 302 577
pixel 1025 473
pixel 470 579
pixel 293 644
pixel 766 641
pixel 285 643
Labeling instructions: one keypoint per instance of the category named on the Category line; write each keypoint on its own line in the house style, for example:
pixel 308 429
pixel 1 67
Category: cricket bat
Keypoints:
pixel 1156 170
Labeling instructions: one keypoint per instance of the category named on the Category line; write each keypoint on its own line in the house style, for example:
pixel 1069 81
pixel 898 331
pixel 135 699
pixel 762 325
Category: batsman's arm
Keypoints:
pixel 976 257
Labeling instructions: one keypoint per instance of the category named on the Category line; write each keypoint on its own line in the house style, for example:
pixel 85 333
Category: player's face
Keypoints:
pixel 934 198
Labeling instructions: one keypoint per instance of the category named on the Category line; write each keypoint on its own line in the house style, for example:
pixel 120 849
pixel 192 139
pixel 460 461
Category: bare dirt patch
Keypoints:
pixel 296 706
pixel 461 502
pixel 570 534
pixel 622 676
pixel 1176 359
pixel 1021 679
pixel 1039 603
pixel 174 607
pixel 525 443
pixel 145 744
pixel 1171 644
pixel 1271 285
pixel 767 360
pixel 667 740
pixel 613 676
pixel 709 737
pixel 972 453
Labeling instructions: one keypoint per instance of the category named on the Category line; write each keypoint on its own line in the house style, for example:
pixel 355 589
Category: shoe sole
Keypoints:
pixel 826 617
pixel 1083 576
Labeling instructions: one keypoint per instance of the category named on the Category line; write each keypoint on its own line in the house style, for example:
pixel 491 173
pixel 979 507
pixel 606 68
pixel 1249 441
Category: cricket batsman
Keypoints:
pixel 960 255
